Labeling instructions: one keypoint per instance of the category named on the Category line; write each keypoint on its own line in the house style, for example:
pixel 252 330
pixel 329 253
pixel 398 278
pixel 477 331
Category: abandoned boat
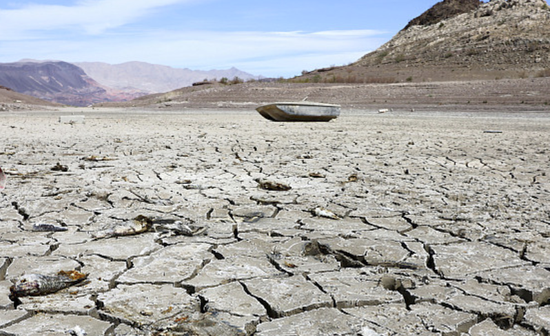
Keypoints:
pixel 299 111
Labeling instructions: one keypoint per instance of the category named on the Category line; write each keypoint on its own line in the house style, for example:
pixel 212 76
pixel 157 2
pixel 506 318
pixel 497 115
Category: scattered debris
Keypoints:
pixel 322 212
pixel 38 284
pixel 94 158
pixel 179 228
pixel 78 331
pixel 60 167
pixel 272 185
pixel 48 228
pixel 138 225
pixel 72 119
pixel 142 224
pixel 2 179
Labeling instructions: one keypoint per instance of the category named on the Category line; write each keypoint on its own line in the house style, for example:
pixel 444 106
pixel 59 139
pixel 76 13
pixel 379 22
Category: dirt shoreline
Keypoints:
pixel 489 95
pixel 506 95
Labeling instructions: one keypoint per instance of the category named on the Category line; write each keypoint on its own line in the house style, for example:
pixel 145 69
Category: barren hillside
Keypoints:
pixel 13 101
pixel 498 39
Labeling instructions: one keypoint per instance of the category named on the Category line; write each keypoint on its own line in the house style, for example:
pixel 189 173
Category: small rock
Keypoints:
pixel 60 167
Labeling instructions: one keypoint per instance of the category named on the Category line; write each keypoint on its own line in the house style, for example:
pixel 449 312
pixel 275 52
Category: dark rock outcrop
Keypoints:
pixel 59 82
pixel 47 77
pixel 444 10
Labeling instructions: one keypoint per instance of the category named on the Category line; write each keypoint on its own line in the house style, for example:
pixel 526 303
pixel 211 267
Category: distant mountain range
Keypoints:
pixel 153 78
pixel 82 84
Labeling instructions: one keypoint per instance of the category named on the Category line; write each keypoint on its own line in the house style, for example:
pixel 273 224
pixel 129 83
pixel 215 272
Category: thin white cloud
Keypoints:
pixel 261 53
pixel 91 16
pixel 95 30
pixel 250 45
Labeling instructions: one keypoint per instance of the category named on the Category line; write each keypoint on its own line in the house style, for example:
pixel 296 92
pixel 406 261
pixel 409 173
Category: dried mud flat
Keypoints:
pixel 372 224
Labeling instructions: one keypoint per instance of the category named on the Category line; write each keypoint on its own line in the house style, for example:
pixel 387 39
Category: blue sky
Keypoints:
pixel 264 37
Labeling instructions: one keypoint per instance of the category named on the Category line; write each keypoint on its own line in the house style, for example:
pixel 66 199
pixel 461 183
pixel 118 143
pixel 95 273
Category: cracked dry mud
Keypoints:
pixel 394 224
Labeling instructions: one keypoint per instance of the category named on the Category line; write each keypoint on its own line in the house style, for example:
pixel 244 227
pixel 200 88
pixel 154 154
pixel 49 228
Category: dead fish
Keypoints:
pixel 271 185
pixel 38 284
pixel 180 228
pixel 94 158
pixel 2 179
pixel 138 225
pixel 322 212
pixel 48 228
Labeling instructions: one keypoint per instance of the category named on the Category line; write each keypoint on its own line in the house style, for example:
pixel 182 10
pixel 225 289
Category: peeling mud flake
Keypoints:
pixel 505 313
pixel 22 250
pixel 323 321
pixel 489 327
pixel 288 296
pixel 355 288
pixel 390 319
pixel 119 248
pixel 10 317
pixel 343 227
pixel 73 301
pixel 145 304
pixel 444 320
pixel 44 324
pixel 219 272
pixel 464 260
pixel 538 318
pixel 233 299
pixel 168 265
pixel 530 283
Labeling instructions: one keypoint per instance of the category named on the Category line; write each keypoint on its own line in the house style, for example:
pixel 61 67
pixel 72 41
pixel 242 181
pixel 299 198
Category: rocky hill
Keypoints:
pixel 152 78
pixel 13 101
pixel 444 10
pixel 458 40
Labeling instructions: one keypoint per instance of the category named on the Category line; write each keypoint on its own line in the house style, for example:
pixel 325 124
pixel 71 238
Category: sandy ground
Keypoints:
pixel 390 224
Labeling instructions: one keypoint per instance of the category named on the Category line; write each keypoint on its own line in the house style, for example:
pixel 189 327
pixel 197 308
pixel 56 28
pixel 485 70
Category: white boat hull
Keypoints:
pixel 300 111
